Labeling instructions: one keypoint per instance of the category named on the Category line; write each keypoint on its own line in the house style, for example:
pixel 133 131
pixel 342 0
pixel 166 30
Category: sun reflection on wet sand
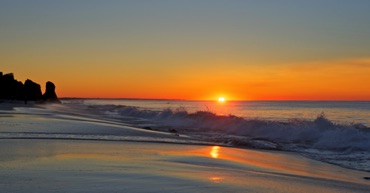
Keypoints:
pixel 216 179
pixel 215 152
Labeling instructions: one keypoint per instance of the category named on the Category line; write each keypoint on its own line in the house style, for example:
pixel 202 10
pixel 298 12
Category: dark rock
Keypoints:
pixel 11 89
pixel 32 91
pixel 172 130
pixel 50 95
pixel 147 128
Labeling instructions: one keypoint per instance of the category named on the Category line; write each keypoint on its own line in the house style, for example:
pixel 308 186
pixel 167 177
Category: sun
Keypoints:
pixel 221 99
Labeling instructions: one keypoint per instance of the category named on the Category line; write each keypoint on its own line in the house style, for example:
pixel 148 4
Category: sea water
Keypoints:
pixel 331 131
pixel 336 111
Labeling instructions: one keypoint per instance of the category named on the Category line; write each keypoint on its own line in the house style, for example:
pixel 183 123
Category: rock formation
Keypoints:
pixel 32 91
pixel 50 95
pixel 12 89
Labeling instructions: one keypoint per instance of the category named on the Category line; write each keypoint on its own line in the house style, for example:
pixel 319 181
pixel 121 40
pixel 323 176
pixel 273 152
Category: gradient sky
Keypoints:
pixel 191 49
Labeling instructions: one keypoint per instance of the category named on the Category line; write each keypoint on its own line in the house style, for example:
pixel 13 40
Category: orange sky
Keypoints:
pixel 191 50
pixel 322 80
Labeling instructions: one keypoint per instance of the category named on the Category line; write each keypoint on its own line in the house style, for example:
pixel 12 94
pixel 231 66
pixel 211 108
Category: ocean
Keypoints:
pixel 337 111
pixel 336 132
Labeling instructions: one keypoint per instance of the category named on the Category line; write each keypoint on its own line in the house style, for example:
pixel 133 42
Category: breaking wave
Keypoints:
pixel 320 133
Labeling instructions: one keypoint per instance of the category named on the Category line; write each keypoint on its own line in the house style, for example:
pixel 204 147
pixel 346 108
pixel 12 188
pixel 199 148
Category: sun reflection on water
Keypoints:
pixel 215 152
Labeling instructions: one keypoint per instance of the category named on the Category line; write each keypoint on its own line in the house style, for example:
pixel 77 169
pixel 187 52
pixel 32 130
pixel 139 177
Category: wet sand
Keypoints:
pixel 34 165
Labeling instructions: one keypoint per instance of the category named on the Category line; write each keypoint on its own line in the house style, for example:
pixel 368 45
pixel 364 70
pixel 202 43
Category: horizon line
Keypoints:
pixel 241 100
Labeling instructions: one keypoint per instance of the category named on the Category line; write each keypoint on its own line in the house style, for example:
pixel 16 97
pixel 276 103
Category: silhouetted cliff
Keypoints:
pixel 12 89
pixel 32 90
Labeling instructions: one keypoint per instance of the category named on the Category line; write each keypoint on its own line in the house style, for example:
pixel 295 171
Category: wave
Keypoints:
pixel 320 133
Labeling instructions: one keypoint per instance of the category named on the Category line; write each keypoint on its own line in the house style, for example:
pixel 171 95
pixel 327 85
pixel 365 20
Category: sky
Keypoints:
pixel 190 49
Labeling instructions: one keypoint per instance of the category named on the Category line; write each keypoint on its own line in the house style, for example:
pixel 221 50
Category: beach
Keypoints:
pixel 45 150
pixel 163 96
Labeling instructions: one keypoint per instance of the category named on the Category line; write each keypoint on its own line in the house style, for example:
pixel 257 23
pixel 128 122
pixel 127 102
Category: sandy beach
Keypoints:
pixel 43 150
